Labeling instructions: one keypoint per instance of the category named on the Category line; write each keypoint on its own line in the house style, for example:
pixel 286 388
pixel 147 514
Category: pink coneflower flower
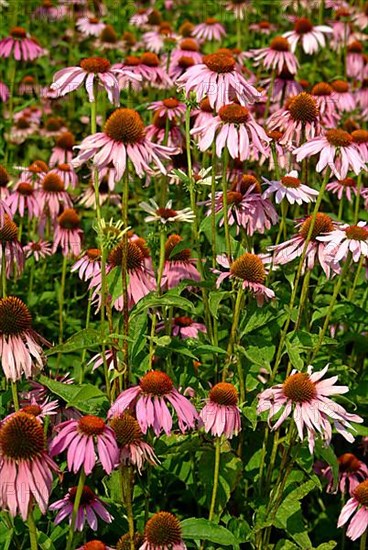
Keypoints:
pixel 90 508
pixel 286 252
pixel 89 265
pixel 178 265
pixel 171 108
pixel 19 344
pixel 337 150
pixel 342 97
pixel 326 103
pixel 4 92
pixel 221 414
pixel 52 196
pixel 53 127
pixel 263 27
pixel 22 128
pixel 63 151
pixel 35 172
pixel 299 118
pixel 347 238
pixel 360 138
pixel 66 172
pixel 361 18
pixel 204 114
pixel 38 250
pixel 218 78
pixel 123 138
pixel 141 277
pixel 250 272
pixel 210 30
pixel 307 396
pixel 291 188
pixel 238 7
pixel 166 215
pixel 68 233
pixel 284 86
pixel 166 132
pixel 88 197
pixel 355 60
pixel 93 71
pixel 359 501
pixel 186 327
pixel 90 26
pixel 25 467
pixel 183 57
pixel 20 46
pixel 83 438
pixel 309 36
pixel 352 471
pixel 163 531
pixel 40 410
pixel 149 399
pixel 108 40
pixel 10 248
pixel 276 56
pixel 233 128
pixel 129 436
pixel 149 68
pixel 346 187
pixel 28 86
pixel 156 40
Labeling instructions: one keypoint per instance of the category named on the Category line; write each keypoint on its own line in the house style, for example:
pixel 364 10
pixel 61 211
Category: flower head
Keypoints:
pixel 345 239
pixel 90 508
pixel 221 414
pixel 68 233
pixel 309 36
pixel 167 214
pixel 357 503
pixel 163 531
pixel 20 46
pixel 82 438
pixel 149 400
pixel 25 467
pixel 291 188
pixel 306 395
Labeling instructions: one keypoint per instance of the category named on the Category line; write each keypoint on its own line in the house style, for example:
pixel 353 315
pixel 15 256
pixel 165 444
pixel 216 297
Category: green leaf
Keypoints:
pixel 328 455
pixel 114 487
pixel 86 338
pixel 167 300
pixel 202 529
pixel 327 545
pixel 214 300
pixel 86 398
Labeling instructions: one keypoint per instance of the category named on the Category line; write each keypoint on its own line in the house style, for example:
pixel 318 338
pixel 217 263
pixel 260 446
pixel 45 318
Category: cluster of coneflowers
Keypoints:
pixel 195 161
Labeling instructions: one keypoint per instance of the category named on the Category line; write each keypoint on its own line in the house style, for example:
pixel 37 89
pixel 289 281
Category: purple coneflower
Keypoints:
pixel 66 172
pixel 357 503
pixel 291 188
pixel 326 103
pixel 149 399
pixel 90 508
pixel 25 466
pixel 186 327
pixel 342 96
pixel 178 265
pixel 347 238
pixel 20 46
pixel 233 128
pixel 307 396
pixel 129 436
pixel 123 138
pixel 80 438
pixel 352 471
pixel 90 26
pixel 52 197
pixel 89 265
pixel 68 233
pixel 309 36
pixel 355 60
pixel 345 187
pixel 167 214
pixel 163 531
pixel 10 248
pixel 221 414
pixel 170 107
pixel 250 272
pixel 4 92
pixel 276 56
pixel 210 30
pixel 218 78
pixel 63 151
pixel 336 149
pixel 38 249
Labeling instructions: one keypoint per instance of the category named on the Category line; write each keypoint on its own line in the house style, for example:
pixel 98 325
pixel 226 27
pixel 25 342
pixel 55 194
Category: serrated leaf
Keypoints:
pixel 202 529
pixel 84 339
pixel 214 299
pixel 86 398
pixel 167 300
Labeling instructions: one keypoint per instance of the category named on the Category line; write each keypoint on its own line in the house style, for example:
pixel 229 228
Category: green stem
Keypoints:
pixel 233 332
pixel 193 205
pixel 126 484
pixel 238 33
pixel 357 200
pixel 32 531
pixel 341 208
pixel 303 298
pixel 78 495
pixel 15 395
pixel 124 274
pixel 213 205
pixel 224 201
pixel 61 299
pixel 269 95
pixel 215 478
pixel 84 353
pixel 96 184
pixel 356 278
pixel 299 272
pixel 161 266
pixel 363 540
pixel 335 294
